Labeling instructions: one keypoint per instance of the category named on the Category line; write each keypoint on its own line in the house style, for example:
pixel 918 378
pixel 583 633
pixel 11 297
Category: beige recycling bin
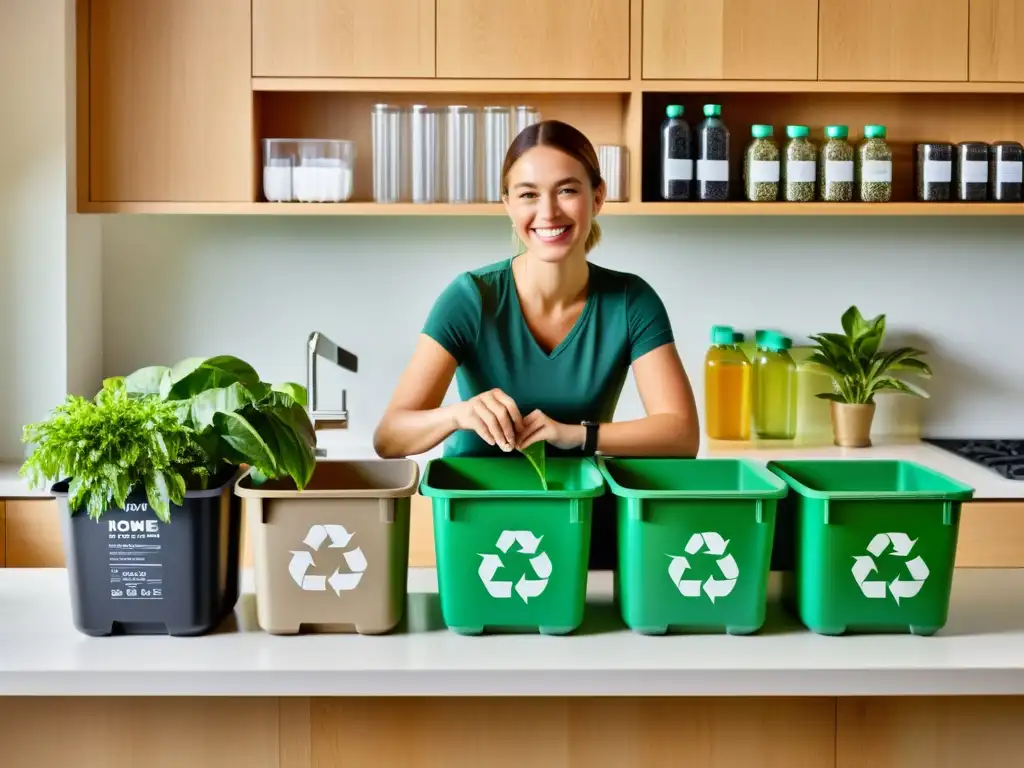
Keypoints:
pixel 333 557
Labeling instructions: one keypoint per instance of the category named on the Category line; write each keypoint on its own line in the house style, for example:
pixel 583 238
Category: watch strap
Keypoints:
pixel 590 442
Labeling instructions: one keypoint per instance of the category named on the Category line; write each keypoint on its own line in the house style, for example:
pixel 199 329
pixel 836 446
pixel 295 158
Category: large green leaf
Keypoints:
pixel 196 374
pixel 296 392
pixel 242 438
pixel 296 457
pixel 229 399
pixel 146 381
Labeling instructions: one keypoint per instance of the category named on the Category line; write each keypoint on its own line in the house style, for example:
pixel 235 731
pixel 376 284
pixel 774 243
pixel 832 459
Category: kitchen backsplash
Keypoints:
pixel 177 286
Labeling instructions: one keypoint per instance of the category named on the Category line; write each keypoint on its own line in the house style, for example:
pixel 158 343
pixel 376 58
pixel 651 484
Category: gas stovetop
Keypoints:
pixel 1003 456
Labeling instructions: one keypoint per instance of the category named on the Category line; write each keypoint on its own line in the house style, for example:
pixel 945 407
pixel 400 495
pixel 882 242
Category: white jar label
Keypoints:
pixel 838 171
pixel 764 171
pixel 975 171
pixel 1009 172
pixel 678 170
pixel 800 170
pixel 712 170
pixel 876 171
pixel 938 171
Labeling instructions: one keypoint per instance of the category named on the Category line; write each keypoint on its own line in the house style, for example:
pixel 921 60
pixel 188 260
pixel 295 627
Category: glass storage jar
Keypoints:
pixel 874 166
pixel 934 172
pixel 971 171
pixel 761 166
pixel 1006 172
pixel 799 166
pixel 835 166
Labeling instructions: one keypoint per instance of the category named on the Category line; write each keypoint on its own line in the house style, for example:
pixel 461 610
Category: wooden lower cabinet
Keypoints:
pixel 212 732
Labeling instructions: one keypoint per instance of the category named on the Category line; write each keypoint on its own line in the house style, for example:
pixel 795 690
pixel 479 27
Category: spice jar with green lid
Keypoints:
pixel 761 166
pixel 874 166
pixel 799 166
pixel 835 166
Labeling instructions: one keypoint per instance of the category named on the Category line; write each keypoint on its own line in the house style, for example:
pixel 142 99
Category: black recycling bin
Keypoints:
pixel 131 574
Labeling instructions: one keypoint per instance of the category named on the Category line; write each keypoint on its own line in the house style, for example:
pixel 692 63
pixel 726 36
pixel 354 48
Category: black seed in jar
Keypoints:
pixel 1006 163
pixel 934 172
pixel 971 171
pixel 712 155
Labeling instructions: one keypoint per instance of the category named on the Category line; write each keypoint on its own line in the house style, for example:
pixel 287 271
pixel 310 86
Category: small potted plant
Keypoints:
pixel 144 475
pixel 860 369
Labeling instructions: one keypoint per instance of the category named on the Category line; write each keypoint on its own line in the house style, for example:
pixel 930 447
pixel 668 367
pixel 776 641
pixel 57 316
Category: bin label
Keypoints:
pixel 302 561
pixel 899 588
pixel 134 555
pixel 713 544
pixel 526 588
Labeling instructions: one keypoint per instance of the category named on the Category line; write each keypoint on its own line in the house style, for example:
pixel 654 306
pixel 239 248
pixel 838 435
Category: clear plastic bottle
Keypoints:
pixel 874 166
pixel 775 388
pixel 712 155
pixel 727 382
pixel 835 166
pixel 799 166
pixel 676 156
pixel 761 166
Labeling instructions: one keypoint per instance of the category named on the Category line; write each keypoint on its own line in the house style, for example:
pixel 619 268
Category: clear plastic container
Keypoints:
pixel 970 172
pixel 775 388
pixel 874 166
pixel 799 166
pixel 308 170
pixel 836 166
pixel 761 166
pixel 727 376
pixel 1006 172
pixel 712 156
pixel 676 156
pixel 934 172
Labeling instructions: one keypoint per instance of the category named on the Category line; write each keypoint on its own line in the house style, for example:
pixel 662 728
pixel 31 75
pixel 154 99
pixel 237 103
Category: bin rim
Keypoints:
pixel 245 489
pixel 778 490
pixel 597 487
pixel 960 491
pixel 61 489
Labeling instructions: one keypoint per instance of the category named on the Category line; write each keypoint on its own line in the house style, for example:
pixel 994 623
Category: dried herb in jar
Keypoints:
pixel 799 167
pixel 761 166
pixel 972 171
pixel 1006 172
pixel 835 166
pixel 934 172
pixel 712 155
pixel 874 166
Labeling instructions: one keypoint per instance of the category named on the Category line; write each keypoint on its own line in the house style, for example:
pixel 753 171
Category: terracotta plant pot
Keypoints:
pixel 851 424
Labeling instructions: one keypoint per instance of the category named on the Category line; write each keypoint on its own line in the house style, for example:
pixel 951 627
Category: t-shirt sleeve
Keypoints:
pixel 454 320
pixel 647 319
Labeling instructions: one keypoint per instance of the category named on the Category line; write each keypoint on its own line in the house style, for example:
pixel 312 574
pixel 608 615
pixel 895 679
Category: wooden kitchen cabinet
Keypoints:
pixel 909 40
pixel 730 39
pixel 343 38
pixel 170 101
pixel 571 39
pixel 997 41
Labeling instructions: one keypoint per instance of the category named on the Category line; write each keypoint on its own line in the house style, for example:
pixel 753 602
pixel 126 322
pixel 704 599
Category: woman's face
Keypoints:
pixel 551 203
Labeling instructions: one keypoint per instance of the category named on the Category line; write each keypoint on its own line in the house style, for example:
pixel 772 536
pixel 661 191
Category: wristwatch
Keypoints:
pixel 590 443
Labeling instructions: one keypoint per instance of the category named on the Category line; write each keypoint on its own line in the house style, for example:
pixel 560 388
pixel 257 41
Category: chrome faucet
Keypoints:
pixel 319 345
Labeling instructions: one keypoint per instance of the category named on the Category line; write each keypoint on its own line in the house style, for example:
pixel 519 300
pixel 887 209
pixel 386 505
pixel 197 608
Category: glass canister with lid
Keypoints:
pixel 799 166
pixel 874 166
pixel 835 166
pixel 1006 171
pixel 761 166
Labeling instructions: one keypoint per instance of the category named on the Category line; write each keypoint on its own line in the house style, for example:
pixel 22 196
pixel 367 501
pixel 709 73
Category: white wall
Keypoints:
pixel 256 286
pixel 50 262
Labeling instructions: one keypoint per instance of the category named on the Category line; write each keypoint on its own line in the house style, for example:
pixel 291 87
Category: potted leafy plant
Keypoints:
pixel 156 454
pixel 860 369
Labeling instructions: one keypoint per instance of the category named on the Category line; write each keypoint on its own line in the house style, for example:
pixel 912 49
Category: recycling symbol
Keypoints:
pixel 525 588
pixel 899 588
pixel 302 561
pixel 713 588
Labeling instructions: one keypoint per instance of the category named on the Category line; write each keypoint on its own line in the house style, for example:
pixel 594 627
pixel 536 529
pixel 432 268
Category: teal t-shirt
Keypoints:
pixel 478 319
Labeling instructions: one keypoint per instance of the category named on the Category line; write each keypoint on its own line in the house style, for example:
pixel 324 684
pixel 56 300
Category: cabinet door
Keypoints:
pixel 574 39
pixel 170 101
pixel 997 40
pixel 886 40
pixel 343 38
pixel 731 39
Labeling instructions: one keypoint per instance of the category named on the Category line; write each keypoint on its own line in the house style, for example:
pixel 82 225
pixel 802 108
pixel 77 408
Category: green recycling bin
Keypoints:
pixel 511 556
pixel 695 542
pixel 875 544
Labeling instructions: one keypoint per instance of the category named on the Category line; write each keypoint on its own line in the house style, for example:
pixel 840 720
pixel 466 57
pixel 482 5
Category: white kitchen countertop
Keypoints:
pixel 988 485
pixel 980 651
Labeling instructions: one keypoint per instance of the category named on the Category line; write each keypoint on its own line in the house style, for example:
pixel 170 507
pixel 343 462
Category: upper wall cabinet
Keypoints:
pixel 730 39
pixel 170 101
pixel 575 39
pixel 997 40
pixel 893 40
pixel 343 38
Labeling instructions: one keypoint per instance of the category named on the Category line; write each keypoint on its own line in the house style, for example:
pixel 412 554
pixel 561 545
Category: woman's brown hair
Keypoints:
pixel 561 136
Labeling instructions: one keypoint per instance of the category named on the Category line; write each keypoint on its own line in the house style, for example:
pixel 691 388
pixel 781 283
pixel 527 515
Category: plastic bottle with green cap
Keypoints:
pixel 676 156
pixel 761 166
pixel 874 166
pixel 799 166
pixel 774 388
pixel 712 156
pixel 727 383
pixel 836 166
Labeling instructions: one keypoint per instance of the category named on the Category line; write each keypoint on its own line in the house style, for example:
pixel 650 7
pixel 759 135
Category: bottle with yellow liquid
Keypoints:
pixel 775 388
pixel 727 377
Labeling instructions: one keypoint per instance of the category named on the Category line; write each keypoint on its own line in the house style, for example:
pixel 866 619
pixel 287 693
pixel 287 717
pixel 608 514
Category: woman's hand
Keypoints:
pixel 538 426
pixel 494 416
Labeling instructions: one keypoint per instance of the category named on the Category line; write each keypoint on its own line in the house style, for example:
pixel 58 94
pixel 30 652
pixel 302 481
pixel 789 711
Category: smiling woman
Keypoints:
pixel 541 343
